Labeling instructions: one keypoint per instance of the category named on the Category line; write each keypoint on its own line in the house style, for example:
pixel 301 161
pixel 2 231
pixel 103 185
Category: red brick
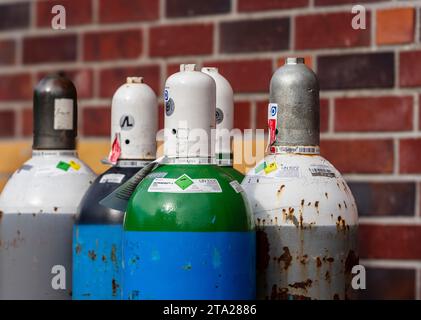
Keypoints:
pixel 324 115
pixel 179 40
pixel 335 2
pixel 254 35
pixel 242 118
pixel 27 122
pixel 245 75
pixel 112 11
pixel 15 86
pixel 81 78
pixel 410 61
pixel 77 12
pixel 373 114
pixel 7 52
pixel 410 155
pixel 390 241
pixel 359 156
pixel 172 68
pixel 395 26
pixel 48 49
pixel 262 115
pixel 189 8
pixel 7 123
pixel 96 121
pixel 161 116
pixel 112 45
pixel 330 30
pixel 111 79
pixel 261 5
pixel 14 16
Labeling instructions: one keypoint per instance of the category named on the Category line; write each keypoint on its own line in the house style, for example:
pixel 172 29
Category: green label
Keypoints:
pixel 184 182
pixel 63 166
pixel 260 167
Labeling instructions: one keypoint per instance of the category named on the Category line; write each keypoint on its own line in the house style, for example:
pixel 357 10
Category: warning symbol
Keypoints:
pixel 126 122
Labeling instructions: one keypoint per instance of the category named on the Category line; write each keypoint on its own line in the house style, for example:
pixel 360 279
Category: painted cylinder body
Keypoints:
pixel 188 234
pixel 98 230
pixel 40 200
pixel 38 205
pixel 97 237
pixel 305 213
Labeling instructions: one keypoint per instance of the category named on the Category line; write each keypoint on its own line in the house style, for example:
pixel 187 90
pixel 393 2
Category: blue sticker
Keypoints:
pixel 166 96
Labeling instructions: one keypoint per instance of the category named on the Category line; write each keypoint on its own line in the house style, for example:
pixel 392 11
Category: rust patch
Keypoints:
pixel 286 258
pixel 281 294
pixel 281 188
pixel 328 259
pixel 351 261
pixel 318 262
pixel 55 209
pixel 104 258
pixel 1 214
pixel 92 255
pixel 114 253
pixel 346 207
pixel 327 276
pixel 301 285
pixel 262 250
pixel 339 206
pixel 309 204
pixel 326 195
pixel 302 203
pixel 316 204
pixel 341 224
pixel 78 249
pixel 115 287
pixel 304 259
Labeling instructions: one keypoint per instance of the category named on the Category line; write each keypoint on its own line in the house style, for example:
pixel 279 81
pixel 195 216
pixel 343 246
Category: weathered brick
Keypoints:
pixel 388 284
pixel 60 49
pixel 254 35
pixel 161 116
pixel 374 114
pixel 27 122
pixel 113 11
pixel 315 31
pixel 7 123
pixel 384 198
pixel 111 79
pixel 172 68
pixel 15 86
pixel 245 75
pixel 14 16
pixel 262 5
pixel 356 71
pixel 395 26
pixel 112 45
pixel 179 40
pixel 262 115
pixel 78 12
pixel 190 8
pixel 81 78
pixel 242 117
pixel 359 156
pixel 337 2
pixel 96 121
pixel 7 52
pixel 390 241
pixel 409 61
pixel 410 155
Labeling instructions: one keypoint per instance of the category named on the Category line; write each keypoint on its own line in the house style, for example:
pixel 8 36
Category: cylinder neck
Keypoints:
pixel 294 93
pixel 55 114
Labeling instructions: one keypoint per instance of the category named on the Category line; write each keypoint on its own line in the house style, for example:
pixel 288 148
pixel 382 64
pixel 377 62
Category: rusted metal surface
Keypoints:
pixel 307 229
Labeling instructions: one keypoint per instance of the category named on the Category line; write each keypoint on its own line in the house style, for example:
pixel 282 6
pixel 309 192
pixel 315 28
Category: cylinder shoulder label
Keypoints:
pixel 185 184
pixel 63 114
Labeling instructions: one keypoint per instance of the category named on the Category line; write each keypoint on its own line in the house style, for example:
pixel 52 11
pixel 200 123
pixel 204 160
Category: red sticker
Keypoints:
pixel 115 150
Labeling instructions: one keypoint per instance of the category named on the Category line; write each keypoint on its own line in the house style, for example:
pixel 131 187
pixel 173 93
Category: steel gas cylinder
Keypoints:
pixel 305 213
pixel 98 230
pixel 188 231
pixel 224 117
pixel 40 200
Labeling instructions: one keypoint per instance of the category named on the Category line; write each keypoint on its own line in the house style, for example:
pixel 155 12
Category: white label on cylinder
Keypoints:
pixel 236 186
pixel 112 178
pixel 185 184
pixel 63 114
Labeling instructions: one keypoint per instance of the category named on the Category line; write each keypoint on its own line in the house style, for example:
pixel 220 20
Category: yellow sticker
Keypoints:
pixel 270 167
pixel 74 165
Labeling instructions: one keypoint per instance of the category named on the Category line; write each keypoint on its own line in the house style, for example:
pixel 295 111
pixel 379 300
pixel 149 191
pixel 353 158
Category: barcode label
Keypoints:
pixel 322 171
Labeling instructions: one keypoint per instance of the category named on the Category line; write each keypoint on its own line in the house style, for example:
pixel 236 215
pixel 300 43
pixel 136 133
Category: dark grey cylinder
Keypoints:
pixel 55 114
pixel 295 89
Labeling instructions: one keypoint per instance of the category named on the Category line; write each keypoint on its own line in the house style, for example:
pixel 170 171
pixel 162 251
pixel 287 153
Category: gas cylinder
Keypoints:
pixel 224 117
pixel 98 230
pixel 188 230
pixel 39 202
pixel 305 214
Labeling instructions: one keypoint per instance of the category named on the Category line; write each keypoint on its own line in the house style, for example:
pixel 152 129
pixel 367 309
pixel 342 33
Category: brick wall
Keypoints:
pixel 370 82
